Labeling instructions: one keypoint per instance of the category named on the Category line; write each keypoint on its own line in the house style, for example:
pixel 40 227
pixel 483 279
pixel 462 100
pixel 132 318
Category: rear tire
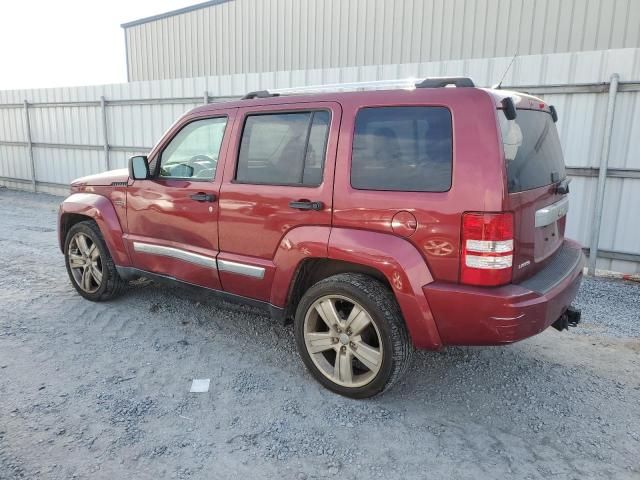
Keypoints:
pixel 89 264
pixel 351 335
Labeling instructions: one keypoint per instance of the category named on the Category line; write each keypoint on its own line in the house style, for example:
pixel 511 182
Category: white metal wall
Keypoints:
pixel 138 113
pixel 271 35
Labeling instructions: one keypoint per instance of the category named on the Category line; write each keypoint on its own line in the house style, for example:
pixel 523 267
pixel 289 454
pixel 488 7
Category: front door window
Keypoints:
pixel 193 152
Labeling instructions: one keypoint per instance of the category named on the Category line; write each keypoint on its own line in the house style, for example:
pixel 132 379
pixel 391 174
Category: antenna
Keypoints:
pixel 497 87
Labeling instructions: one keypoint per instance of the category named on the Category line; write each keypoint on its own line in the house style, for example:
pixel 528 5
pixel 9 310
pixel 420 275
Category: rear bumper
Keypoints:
pixel 468 315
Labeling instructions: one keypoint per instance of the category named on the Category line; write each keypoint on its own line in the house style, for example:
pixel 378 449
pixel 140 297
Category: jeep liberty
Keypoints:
pixel 378 219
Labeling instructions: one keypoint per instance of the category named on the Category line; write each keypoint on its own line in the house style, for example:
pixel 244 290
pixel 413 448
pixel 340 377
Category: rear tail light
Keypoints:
pixel 487 248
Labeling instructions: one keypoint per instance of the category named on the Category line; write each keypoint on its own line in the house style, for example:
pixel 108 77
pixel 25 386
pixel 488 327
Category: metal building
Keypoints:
pixel 583 56
pixel 245 36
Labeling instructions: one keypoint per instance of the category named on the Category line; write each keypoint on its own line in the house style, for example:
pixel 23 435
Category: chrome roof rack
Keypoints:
pixel 404 84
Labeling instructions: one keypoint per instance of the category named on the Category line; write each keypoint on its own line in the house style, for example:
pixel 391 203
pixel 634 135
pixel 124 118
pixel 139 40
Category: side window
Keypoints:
pixel 193 152
pixel 402 149
pixel 283 148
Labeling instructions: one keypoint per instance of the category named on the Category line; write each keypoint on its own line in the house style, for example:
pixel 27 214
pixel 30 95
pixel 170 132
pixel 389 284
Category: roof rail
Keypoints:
pixel 259 94
pixel 439 82
pixel 406 84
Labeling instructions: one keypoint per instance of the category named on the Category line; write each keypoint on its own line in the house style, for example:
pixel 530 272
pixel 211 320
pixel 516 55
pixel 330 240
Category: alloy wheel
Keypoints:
pixel 85 262
pixel 343 341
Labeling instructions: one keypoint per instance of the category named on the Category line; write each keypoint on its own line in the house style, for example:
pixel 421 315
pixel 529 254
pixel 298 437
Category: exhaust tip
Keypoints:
pixel 570 318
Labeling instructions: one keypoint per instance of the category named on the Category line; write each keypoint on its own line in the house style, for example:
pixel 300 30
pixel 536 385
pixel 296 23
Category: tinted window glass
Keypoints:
pixel 193 152
pixel 283 148
pixel 402 149
pixel 317 149
pixel 532 150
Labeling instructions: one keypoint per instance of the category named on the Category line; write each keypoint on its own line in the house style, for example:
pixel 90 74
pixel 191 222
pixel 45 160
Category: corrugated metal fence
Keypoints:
pixel 50 136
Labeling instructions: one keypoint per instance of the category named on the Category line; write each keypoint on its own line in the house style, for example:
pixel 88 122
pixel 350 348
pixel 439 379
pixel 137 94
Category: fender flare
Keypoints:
pixel 102 211
pixel 297 245
pixel 404 268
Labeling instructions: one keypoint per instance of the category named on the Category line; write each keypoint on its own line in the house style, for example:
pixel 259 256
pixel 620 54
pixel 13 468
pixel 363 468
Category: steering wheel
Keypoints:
pixel 201 158
pixel 196 162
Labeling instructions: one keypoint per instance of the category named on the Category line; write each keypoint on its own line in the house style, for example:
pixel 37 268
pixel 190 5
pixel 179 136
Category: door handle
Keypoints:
pixel 203 197
pixel 306 205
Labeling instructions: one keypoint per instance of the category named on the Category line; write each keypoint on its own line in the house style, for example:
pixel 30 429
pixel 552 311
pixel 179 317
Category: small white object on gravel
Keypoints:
pixel 200 385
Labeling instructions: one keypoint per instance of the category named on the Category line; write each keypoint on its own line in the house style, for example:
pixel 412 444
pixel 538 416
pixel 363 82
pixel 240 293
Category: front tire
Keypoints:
pixel 351 335
pixel 89 264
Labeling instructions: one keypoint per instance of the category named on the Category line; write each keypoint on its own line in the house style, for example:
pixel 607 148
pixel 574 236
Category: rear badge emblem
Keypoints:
pixel 439 248
pixel 524 264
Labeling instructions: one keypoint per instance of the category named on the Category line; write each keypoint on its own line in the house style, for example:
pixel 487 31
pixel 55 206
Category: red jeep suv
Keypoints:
pixel 380 220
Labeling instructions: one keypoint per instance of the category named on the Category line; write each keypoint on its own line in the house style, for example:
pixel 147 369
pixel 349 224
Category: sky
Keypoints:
pixel 59 43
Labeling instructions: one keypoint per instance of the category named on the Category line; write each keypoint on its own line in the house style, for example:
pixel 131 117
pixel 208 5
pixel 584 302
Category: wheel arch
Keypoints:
pixel 403 267
pixel 312 270
pixel 68 220
pixel 391 259
pixel 89 206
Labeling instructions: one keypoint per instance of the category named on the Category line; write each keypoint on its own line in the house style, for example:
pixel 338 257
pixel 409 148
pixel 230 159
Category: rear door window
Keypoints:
pixel 402 149
pixel 283 148
pixel 532 150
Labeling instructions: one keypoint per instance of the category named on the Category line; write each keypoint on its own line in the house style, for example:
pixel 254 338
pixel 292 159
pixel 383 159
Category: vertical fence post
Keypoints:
pixel 205 97
pixel 105 133
pixel 602 174
pixel 27 127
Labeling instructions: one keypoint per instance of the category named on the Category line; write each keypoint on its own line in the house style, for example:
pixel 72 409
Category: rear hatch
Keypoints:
pixel 534 172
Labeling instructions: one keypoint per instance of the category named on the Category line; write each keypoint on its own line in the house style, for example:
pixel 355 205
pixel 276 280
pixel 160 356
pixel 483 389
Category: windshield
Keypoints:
pixel 532 150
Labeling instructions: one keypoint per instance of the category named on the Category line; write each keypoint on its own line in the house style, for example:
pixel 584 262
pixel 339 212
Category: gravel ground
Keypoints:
pixel 102 390
pixel 610 307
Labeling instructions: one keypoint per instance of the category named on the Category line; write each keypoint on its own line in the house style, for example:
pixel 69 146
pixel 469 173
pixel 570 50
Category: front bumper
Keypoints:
pixel 467 315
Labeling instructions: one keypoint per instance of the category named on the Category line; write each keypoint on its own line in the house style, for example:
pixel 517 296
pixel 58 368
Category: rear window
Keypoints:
pixel 402 149
pixel 532 150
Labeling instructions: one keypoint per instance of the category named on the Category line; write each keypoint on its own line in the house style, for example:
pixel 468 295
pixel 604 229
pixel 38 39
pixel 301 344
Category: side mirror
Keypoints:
pixel 139 167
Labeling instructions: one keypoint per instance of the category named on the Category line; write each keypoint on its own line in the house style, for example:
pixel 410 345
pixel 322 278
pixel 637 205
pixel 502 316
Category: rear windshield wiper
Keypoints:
pixel 563 187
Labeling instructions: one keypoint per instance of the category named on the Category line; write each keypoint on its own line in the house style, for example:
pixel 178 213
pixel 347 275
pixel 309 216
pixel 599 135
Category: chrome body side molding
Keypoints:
pixel 549 214
pixel 178 253
pixel 240 269
pixel 202 260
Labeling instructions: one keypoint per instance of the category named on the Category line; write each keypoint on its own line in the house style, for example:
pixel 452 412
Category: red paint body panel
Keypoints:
pixel 172 267
pixel 100 209
pixel 103 179
pixel 403 267
pixel 476 184
pixel 255 219
pixel 468 315
pixel 162 212
pixel 246 286
pixel 531 245
pixel 298 244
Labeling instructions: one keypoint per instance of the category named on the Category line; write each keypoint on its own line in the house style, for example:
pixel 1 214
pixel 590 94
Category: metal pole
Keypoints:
pixel 105 134
pixel 206 97
pixel 602 174
pixel 27 126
